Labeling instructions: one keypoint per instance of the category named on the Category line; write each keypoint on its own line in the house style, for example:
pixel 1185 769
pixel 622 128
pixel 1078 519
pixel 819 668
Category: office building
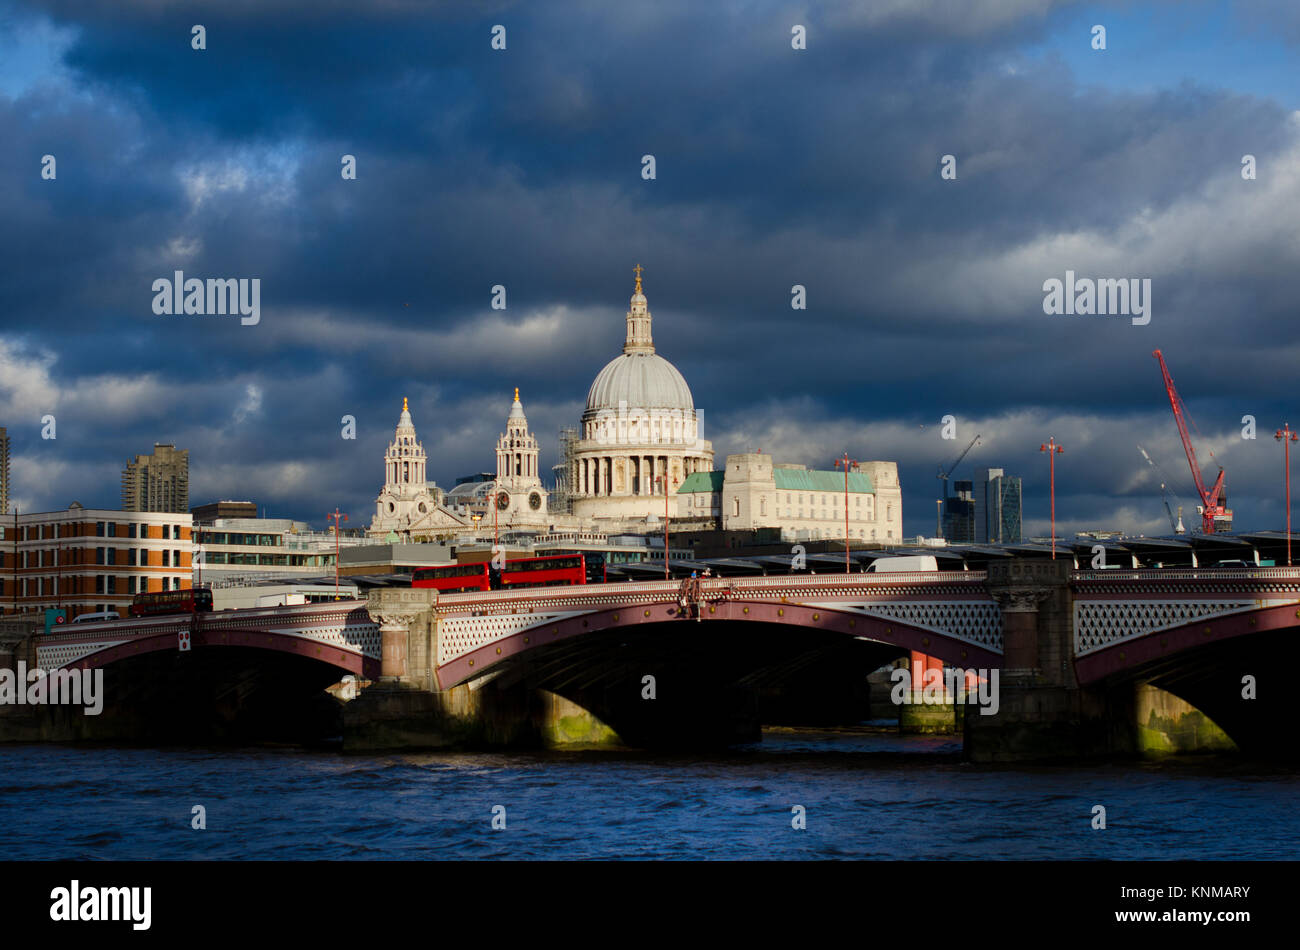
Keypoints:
pixel 4 470
pixel 959 513
pixel 85 560
pixel 207 514
pixel 997 506
pixel 754 491
pixel 158 482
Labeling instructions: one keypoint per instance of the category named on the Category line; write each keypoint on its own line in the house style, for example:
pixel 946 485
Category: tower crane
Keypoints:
pixel 1214 511
pixel 1175 524
pixel 943 479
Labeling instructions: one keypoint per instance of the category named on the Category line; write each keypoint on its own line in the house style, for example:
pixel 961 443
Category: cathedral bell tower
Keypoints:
pixel 407 498
pixel 521 499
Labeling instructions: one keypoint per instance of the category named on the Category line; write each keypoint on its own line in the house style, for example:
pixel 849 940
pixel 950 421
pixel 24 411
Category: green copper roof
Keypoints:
pixel 794 479
pixel 702 481
pixel 787 479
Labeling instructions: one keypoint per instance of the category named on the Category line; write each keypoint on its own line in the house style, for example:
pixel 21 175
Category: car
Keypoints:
pixel 97 617
pixel 1234 562
pixel 890 565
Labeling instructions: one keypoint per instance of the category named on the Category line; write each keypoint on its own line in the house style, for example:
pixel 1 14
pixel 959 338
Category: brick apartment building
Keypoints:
pixel 86 560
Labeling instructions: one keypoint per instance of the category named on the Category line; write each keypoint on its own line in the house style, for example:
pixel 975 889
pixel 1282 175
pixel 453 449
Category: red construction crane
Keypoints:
pixel 1214 512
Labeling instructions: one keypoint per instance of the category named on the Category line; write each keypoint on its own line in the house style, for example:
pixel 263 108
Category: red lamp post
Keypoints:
pixel 846 462
pixel 335 517
pixel 1052 450
pixel 664 478
pixel 496 503
pixel 1286 437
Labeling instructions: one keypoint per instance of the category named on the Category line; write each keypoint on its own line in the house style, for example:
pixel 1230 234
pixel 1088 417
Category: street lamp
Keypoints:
pixel 335 516
pixel 196 558
pixel 664 478
pixel 846 462
pixel 1052 450
pixel 496 503
pixel 1286 437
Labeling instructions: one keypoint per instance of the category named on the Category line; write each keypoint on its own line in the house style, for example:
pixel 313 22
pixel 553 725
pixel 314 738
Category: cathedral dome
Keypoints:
pixel 640 378
pixel 639 381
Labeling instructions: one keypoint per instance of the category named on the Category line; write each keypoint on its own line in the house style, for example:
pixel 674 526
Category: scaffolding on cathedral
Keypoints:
pixel 563 471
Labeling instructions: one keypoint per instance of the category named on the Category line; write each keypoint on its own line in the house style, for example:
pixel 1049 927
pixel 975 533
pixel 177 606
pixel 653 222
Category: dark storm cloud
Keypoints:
pixel 522 168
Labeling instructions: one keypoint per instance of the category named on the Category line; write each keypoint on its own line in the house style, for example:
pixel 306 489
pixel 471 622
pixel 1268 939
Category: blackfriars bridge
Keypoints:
pixel 667 663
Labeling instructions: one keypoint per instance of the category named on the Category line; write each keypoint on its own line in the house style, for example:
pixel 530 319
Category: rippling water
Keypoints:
pixel 866 795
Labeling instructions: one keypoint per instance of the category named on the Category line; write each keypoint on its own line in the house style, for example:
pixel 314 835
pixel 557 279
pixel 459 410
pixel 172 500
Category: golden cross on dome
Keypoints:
pixel 516 394
pixel 404 409
pixel 637 271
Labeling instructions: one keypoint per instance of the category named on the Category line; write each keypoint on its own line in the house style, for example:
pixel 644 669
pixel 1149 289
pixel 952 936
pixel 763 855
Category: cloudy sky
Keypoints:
pixel 774 166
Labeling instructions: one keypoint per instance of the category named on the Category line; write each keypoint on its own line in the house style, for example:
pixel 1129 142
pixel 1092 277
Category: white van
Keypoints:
pixel 97 617
pixel 893 565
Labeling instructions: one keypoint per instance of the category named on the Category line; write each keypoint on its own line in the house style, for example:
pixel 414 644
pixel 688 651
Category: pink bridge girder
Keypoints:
pixel 339 633
pixel 945 614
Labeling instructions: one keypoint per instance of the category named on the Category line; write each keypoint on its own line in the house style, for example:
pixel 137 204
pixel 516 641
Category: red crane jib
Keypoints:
pixel 1209 499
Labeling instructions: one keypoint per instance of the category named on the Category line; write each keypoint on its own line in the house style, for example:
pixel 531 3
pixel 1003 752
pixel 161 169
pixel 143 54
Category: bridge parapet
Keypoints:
pixel 1184 582
pixel 342 624
pixel 822 587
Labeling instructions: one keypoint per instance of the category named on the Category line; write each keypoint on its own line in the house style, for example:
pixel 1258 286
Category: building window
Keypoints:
pixel 99 583
pixel 176 558
pixel 112 585
pixel 130 557
pixel 99 529
pixel 130 584
pixel 735 504
pixel 762 506
pixel 130 530
pixel 99 555
pixel 165 582
pixel 166 560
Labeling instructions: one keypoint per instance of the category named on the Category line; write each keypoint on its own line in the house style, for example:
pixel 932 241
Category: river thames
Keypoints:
pixel 865 795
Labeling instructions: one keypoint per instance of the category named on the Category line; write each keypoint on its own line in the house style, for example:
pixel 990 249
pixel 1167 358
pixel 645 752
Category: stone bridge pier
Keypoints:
pixel 1043 712
pixel 405 709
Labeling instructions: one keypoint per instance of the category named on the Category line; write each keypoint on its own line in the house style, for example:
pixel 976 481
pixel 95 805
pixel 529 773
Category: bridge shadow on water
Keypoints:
pixel 230 696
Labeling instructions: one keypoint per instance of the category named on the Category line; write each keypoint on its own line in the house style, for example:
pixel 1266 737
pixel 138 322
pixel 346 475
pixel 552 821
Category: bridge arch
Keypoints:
pixel 838 619
pixel 1160 647
pixel 216 638
pixel 1208 663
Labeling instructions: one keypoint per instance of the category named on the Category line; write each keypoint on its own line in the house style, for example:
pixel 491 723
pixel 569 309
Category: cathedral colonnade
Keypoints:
pixel 598 474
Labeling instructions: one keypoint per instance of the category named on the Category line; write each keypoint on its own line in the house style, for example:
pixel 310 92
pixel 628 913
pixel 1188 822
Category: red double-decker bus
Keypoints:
pixel 556 570
pixel 188 601
pixel 551 571
pixel 452 579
